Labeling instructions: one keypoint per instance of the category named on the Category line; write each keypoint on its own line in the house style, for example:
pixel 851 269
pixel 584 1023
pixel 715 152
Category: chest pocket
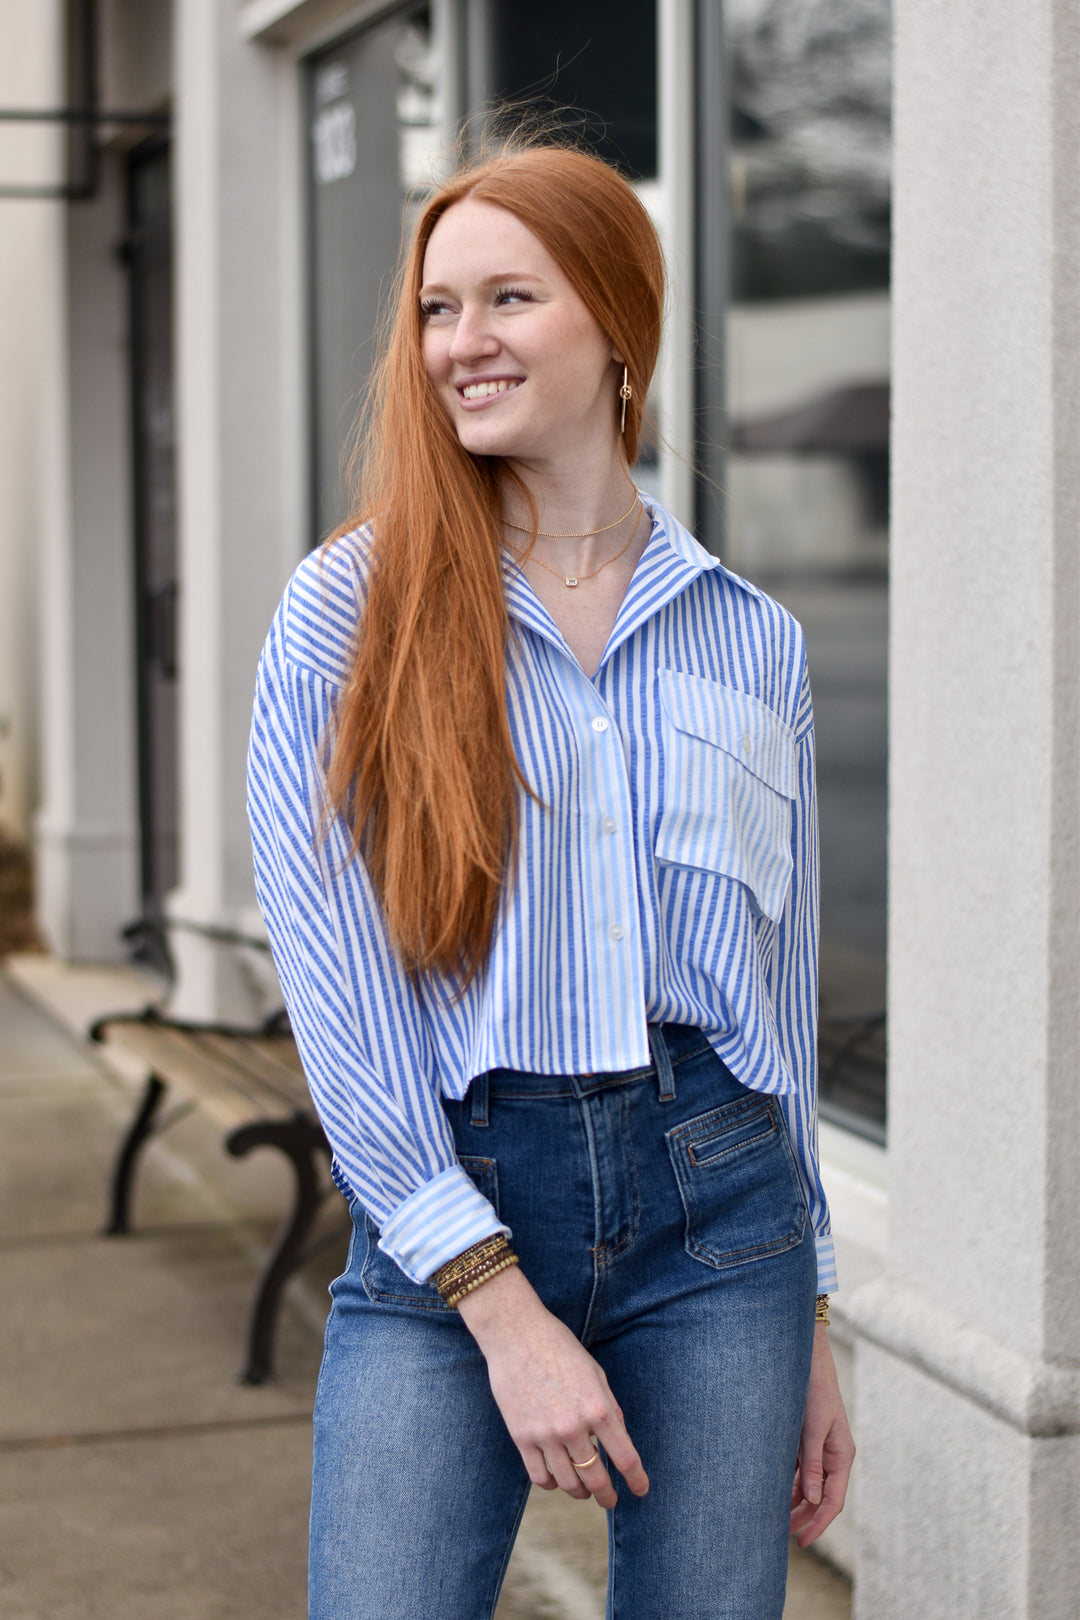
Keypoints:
pixel 730 779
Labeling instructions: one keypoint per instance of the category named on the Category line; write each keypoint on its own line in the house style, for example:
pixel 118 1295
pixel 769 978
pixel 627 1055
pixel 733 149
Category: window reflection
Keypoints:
pixel 807 485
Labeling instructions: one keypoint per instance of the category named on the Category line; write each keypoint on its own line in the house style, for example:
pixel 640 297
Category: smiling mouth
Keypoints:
pixel 485 390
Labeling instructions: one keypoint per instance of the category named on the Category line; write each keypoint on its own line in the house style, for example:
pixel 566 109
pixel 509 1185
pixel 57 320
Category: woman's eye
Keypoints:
pixel 432 306
pixel 512 295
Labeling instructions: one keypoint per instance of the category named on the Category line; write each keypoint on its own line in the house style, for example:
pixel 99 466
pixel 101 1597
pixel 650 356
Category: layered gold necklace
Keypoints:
pixel 572 580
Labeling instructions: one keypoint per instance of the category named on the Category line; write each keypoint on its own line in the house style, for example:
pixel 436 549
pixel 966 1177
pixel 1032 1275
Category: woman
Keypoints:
pixel 533 808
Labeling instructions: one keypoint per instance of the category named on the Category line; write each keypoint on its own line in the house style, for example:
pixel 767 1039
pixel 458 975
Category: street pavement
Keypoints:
pixel 138 1480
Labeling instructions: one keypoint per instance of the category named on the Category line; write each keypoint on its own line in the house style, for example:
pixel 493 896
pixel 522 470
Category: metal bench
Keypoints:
pixel 252 1084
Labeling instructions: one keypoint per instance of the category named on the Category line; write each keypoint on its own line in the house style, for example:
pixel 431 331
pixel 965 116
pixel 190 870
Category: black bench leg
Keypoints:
pixel 300 1139
pixel 127 1159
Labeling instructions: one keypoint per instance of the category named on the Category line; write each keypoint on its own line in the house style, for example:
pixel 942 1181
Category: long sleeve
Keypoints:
pixel 357 1020
pixel 795 978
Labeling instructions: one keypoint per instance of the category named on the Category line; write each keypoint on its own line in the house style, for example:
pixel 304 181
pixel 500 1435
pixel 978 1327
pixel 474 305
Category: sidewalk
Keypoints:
pixel 138 1481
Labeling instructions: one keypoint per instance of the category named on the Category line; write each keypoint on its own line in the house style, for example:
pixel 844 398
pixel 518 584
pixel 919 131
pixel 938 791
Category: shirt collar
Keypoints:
pixel 671 561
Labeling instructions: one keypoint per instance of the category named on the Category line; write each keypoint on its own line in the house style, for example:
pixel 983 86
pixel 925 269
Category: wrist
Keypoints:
pixel 498 1307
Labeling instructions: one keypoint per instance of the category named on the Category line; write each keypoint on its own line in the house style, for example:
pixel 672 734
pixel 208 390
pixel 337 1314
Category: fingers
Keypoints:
pixel 590 1479
pixel 818 1493
pixel 537 1469
pixel 580 1470
pixel 622 1454
pixel 808 1522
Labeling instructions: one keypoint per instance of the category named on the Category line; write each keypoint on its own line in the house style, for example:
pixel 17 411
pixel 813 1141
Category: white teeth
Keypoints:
pixel 483 389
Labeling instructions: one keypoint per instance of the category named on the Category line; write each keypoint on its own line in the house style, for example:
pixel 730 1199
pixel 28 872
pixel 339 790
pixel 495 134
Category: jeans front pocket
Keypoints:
pixel 738 1183
pixel 383 1279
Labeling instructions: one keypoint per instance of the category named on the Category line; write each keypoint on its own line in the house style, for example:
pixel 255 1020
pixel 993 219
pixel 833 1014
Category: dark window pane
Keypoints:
pixel 597 56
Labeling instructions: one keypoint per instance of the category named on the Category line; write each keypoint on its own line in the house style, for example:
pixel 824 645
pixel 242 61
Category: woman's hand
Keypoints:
pixel 553 1396
pixel 826 1449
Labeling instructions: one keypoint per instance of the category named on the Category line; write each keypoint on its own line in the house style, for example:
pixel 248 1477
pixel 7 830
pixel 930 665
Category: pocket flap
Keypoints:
pixel 740 724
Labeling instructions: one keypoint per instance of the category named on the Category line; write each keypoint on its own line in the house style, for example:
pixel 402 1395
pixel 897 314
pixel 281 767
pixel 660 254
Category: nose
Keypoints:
pixel 474 338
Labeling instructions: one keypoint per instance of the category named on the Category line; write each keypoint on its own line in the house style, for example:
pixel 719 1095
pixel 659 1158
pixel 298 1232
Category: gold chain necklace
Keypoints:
pixel 572 580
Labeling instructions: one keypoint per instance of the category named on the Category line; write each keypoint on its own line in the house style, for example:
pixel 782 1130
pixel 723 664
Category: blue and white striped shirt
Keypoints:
pixel 666 870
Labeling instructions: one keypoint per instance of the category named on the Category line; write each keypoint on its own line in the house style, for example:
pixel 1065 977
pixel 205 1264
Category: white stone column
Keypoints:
pixel 240 455
pixel 969 1358
pixel 86 830
pixel 28 155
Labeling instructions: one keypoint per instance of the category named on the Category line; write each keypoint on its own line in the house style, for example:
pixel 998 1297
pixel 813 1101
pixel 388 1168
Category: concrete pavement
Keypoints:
pixel 138 1481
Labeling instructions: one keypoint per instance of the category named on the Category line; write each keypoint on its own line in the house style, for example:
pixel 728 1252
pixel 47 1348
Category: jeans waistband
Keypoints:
pixel 669 1044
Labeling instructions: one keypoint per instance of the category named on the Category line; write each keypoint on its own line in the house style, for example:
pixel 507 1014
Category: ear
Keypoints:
pixel 617 355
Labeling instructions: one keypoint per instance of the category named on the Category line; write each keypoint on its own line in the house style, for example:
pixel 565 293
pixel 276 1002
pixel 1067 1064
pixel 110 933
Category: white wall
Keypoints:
pixel 27 155
pixel 86 828
pixel 969 1362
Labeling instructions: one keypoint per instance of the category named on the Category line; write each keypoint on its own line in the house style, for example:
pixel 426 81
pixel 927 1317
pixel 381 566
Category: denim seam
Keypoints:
pixel 501 1575
pixel 730 1258
pixel 698 1051
pixel 735 1147
pixel 606 1253
pixel 592 1310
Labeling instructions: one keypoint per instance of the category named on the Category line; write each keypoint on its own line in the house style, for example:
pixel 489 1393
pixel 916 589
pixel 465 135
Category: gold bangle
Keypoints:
pixel 821 1309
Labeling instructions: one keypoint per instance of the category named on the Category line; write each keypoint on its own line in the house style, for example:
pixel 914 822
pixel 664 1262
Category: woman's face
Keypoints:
pixel 517 360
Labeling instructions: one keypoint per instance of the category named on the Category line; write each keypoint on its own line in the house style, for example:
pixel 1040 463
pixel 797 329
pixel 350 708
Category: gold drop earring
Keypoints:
pixel 625 393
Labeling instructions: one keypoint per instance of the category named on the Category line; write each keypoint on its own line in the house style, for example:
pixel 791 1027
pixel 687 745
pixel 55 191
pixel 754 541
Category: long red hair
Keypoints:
pixel 421 758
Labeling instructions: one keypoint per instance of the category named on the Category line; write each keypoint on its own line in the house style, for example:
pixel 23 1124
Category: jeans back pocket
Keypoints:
pixel 738 1182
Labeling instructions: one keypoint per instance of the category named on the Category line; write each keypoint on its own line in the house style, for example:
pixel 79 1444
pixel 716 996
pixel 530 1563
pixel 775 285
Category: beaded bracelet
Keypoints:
pixel 475 1266
pixel 821 1309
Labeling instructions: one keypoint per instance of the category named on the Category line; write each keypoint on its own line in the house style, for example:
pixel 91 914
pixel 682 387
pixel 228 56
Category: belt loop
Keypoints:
pixel 662 1059
pixel 478 1097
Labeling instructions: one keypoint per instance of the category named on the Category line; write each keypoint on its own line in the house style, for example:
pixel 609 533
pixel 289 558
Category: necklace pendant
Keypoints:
pixel 570 583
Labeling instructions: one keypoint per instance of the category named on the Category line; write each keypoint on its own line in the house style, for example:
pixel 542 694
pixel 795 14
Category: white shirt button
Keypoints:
pixel 607 824
pixel 616 931
pixel 747 744
pixel 600 724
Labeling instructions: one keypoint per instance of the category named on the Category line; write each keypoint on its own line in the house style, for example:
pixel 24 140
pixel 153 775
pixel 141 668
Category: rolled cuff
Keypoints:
pixel 826 1264
pixel 438 1221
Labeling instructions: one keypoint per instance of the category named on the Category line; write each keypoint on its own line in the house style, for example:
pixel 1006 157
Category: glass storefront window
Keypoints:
pixel 807 478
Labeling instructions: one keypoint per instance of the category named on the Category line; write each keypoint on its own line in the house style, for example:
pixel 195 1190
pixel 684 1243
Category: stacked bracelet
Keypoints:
pixel 821 1309
pixel 477 1265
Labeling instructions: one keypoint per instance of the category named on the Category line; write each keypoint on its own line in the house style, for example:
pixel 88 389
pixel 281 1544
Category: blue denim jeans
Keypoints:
pixel 659 1214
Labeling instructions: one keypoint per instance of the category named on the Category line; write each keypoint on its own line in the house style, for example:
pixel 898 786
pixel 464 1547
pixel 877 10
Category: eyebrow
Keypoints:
pixel 485 281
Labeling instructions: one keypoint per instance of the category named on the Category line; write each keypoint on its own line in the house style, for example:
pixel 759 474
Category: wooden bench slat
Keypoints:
pixel 272 1060
pixel 231 1093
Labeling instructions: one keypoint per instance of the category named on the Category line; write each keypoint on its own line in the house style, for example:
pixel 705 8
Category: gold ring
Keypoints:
pixel 588 1461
